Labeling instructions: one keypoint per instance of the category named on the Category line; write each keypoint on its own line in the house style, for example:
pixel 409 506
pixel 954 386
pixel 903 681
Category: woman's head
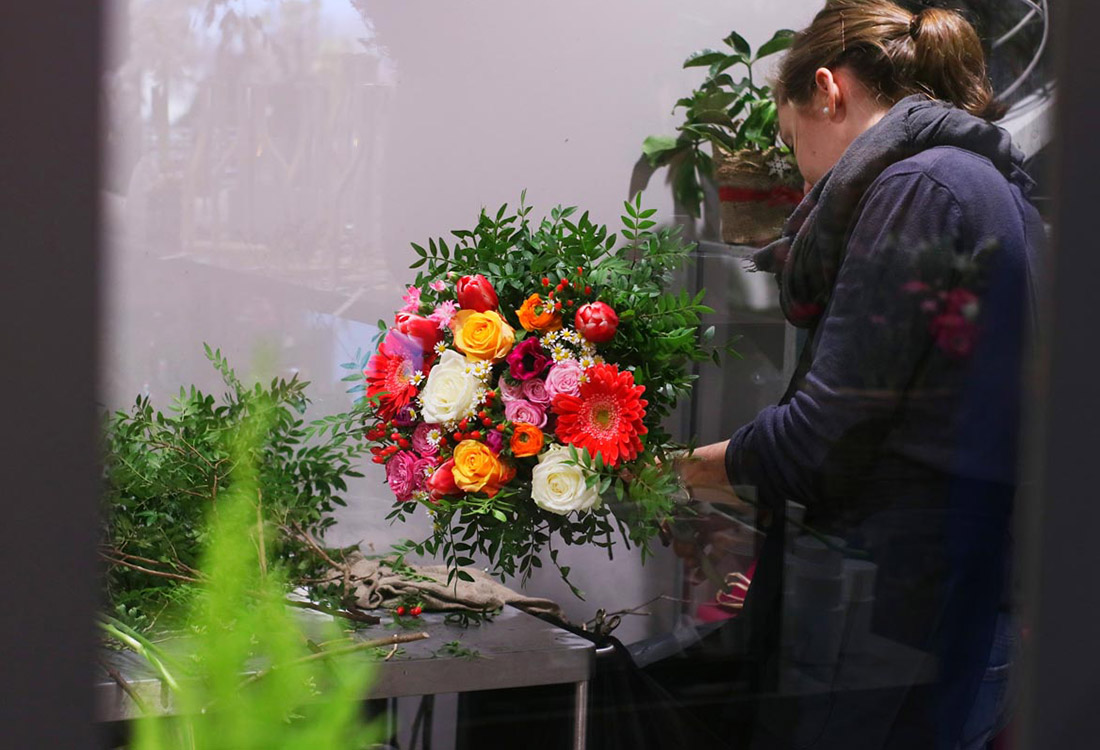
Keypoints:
pixel 857 58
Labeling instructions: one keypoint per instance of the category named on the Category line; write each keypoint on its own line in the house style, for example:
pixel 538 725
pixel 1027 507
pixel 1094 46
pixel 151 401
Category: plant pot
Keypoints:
pixel 754 201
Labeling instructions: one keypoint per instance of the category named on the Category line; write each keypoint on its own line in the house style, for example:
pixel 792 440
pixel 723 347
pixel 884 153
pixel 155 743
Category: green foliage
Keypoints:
pixel 166 472
pixel 252 677
pixel 658 338
pixel 730 115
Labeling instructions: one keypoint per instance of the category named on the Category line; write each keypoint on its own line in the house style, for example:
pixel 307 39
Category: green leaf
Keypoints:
pixel 703 58
pixel 738 42
pixel 780 41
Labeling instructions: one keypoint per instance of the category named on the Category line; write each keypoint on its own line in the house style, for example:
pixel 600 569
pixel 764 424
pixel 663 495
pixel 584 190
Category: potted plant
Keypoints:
pixel 758 184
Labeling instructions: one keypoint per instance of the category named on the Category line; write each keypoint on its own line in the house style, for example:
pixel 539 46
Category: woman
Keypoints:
pixel 910 265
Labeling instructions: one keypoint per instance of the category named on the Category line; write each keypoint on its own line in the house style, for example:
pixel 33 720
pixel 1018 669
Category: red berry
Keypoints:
pixel 487 422
pixel 482 414
pixel 588 290
pixel 561 285
pixel 500 428
pixel 476 434
pixel 545 281
pixel 379 459
pixel 415 611
pixel 400 611
pixel 569 303
pixel 463 424
pixel 376 449
pixel 395 435
pixel 580 271
pixel 458 437
pixel 490 395
pixel 403 443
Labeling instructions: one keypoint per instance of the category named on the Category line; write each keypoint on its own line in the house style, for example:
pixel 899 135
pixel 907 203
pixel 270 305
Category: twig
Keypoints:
pixel 376 643
pixel 316 546
pixel 159 573
pixel 126 688
pixel 393 651
pixel 346 614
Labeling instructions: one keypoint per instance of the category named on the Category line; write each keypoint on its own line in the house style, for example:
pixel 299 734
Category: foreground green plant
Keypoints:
pixel 252 676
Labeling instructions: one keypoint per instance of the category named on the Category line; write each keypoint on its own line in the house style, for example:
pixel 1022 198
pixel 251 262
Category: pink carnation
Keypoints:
pixel 443 313
pixel 522 410
pixel 438 285
pixel 411 298
pixel 401 476
pixel 420 442
pixel 564 378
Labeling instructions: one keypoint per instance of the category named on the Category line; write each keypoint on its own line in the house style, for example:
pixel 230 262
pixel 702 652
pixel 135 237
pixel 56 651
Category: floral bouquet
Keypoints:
pixel 518 396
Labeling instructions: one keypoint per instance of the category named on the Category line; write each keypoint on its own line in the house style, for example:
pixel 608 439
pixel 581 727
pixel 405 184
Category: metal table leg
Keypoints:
pixel 580 716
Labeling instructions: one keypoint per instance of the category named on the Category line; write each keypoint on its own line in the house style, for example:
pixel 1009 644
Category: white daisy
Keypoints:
pixel 560 353
pixel 587 361
pixel 434 436
pixel 440 348
pixel 417 377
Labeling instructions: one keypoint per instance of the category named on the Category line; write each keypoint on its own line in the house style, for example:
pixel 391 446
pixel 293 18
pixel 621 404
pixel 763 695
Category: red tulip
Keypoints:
pixel 597 322
pixel 476 293
pixel 424 332
pixel 442 481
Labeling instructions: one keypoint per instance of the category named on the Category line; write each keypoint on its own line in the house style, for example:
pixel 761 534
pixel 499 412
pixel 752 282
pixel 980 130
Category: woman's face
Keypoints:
pixel 819 131
pixel 813 138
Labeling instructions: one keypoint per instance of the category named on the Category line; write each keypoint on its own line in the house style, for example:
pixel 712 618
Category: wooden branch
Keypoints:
pixel 376 643
pixel 126 688
pixel 158 573
pixel 347 614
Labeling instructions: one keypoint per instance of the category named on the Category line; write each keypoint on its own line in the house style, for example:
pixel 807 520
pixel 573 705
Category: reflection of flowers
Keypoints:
pixel 954 334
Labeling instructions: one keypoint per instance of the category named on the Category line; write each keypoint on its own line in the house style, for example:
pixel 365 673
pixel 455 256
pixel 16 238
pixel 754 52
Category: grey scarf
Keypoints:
pixel 806 258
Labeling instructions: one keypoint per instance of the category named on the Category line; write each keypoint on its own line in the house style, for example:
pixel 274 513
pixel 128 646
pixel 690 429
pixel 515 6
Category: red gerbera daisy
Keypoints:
pixel 390 373
pixel 607 416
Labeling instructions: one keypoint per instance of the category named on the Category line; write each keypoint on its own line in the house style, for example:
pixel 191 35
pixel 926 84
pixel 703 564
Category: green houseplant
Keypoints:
pixel 738 119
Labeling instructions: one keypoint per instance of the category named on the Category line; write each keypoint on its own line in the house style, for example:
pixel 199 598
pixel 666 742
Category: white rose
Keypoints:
pixel 559 487
pixel 450 392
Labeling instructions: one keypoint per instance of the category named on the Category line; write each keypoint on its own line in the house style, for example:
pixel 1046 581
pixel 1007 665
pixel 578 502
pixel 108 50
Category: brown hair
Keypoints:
pixel 895 53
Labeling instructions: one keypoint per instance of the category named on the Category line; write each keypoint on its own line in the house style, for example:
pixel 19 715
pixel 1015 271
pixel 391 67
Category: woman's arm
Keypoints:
pixel 870 343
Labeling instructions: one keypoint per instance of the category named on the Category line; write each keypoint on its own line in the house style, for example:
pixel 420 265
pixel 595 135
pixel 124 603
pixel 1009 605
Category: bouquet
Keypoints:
pixel 518 396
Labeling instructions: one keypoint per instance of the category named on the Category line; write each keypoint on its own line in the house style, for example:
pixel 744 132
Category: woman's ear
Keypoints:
pixel 827 92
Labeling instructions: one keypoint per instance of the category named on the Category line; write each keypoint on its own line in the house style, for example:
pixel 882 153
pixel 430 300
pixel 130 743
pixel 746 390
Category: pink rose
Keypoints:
pixel 510 392
pixel 422 470
pixel 535 391
pixel 420 442
pixel 564 378
pixel 400 475
pixel 522 410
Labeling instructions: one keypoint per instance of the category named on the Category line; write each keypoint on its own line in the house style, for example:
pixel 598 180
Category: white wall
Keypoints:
pixel 265 179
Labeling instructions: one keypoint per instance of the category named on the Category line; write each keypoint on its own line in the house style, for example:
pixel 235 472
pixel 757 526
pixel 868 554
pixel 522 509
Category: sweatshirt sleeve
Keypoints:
pixel 871 339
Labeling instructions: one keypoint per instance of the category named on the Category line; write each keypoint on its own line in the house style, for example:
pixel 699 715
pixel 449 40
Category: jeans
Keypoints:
pixel 993 704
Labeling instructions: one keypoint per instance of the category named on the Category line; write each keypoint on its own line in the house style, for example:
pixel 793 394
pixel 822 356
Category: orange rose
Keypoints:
pixel 478 469
pixel 482 335
pixel 526 440
pixel 534 315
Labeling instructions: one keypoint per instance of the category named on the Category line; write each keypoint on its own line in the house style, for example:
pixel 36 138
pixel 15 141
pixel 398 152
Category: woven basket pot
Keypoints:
pixel 754 203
